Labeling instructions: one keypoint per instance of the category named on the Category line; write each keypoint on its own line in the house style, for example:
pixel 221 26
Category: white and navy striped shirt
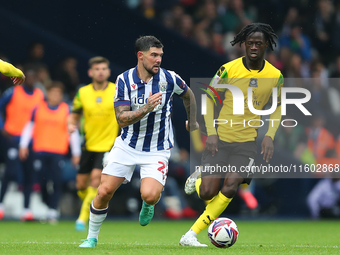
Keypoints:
pixel 154 131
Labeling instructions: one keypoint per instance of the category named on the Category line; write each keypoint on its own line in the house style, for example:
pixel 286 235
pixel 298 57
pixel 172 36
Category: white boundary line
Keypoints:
pixel 145 244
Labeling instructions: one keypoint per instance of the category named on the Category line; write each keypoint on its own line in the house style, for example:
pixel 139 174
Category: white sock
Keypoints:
pixel 52 214
pixel 190 233
pixel 97 216
pixel 27 210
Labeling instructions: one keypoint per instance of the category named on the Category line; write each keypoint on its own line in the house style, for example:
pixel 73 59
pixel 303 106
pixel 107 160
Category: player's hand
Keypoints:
pixel 267 146
pixel 211 144
pixel 71 128
pixel 18 80
pixel 191 127
pixel 23 153
pixel 75 161
pixel 153 101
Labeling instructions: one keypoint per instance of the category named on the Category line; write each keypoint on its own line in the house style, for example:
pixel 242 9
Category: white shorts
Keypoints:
pixel 123 159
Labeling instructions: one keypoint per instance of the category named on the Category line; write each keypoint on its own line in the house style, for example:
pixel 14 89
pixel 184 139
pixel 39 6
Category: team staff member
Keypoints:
pixel 235 145
pixel 17 104
pixel 48 128
pixel 95 103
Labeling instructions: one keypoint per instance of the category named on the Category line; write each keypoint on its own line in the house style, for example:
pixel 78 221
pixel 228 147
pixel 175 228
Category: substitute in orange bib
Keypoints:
pixel 48 128
pixel 16 105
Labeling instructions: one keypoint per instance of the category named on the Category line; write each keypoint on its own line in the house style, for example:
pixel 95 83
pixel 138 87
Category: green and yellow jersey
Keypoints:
pixel 100 124
pixel 9 70
pixel 243 128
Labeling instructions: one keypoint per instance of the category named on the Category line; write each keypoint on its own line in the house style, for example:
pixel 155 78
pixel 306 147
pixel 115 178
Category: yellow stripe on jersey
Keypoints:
pixel 100 124
pixel 9 70
pixel 237 127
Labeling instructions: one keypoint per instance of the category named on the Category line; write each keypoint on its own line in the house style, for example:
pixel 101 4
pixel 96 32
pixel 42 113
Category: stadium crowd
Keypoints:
pixel 308 55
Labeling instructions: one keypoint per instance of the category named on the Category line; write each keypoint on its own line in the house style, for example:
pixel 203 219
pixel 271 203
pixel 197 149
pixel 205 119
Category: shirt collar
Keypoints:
pixel 136 79
pixel 246 66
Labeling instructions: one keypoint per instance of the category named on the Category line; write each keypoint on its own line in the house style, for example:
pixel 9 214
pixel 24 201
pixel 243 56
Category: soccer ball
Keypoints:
pixel 223 232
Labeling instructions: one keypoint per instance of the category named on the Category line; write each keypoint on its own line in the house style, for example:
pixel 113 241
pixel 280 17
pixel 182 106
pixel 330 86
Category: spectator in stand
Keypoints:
pixel 147 8
pixel 272 58
pixel 236 17
pixel 177 14
pixel 336 72
pixel 35 55
pixel 324 21
pixel 187 26
pixel 297 42
pixel 207 19
pixel 222 7
pixel 66 72
pixel 297 69
pixel 168 20
pixel 43 78
pixel 336 29
pixel 291 18
pixel 217 43
pixel 318 88
pixel 285 56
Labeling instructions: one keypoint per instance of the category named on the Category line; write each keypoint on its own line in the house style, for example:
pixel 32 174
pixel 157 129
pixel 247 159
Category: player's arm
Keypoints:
pixel 9 70
pixel 189 102
pixel 75 147
pixel 73 118
pixel 26 137
pixel 126 117
pixel 267 144
pixel 212 139
pixel 73 121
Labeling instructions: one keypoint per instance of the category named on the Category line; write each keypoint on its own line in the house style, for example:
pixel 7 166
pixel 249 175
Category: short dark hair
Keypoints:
pixel 98 60
pixel 144 43
pixel 266 29
pixel 57 85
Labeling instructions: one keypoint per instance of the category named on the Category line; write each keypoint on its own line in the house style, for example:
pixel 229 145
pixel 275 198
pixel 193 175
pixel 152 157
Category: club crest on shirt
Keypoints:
pixel 162 86
pixel 98 100
pixel 134 86
pixel 253 82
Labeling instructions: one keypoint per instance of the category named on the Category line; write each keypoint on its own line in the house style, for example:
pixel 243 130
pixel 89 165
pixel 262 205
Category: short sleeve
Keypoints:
pixel 221 77
pixel 121 93
pixel 77 105
pixel 180 87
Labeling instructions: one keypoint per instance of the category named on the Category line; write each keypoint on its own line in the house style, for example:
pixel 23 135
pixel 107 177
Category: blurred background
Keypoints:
pixel 57 38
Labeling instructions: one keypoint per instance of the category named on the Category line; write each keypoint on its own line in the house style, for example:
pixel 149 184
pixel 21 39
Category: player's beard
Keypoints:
pixel 149 70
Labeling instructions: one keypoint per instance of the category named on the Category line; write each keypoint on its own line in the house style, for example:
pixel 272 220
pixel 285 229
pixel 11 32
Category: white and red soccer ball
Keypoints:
pixel 223 232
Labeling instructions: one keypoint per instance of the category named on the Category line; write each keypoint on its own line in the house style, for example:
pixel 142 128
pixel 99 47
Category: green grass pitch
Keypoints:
pixel 161 237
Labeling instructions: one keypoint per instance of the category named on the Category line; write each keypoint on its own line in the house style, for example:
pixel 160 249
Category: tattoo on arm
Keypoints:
pixel 189 102
pixel 126 117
